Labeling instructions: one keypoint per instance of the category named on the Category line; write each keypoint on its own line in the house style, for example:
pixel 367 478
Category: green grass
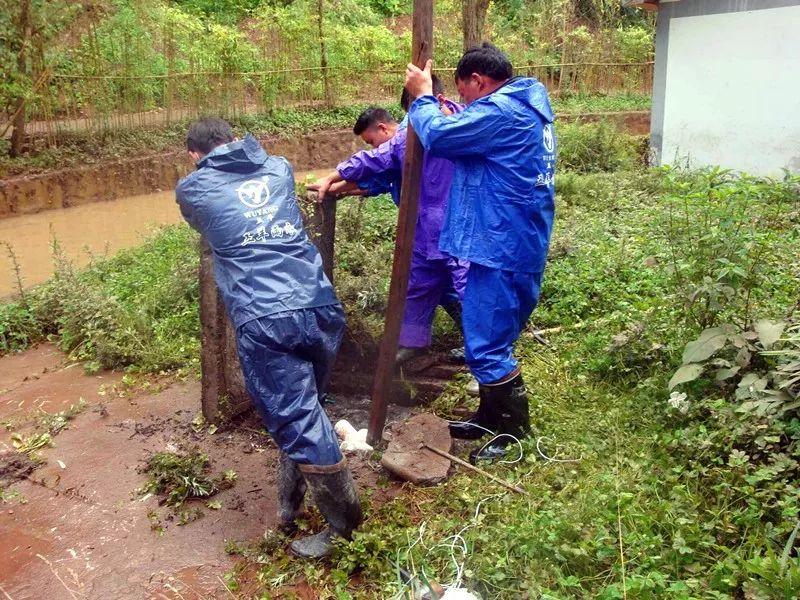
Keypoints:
pixel 597 103
pixel 652 502
pixel 138 309
pixel 649 502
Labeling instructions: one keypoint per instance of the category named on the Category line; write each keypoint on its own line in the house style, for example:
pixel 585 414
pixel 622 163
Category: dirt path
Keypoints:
pixel 78 529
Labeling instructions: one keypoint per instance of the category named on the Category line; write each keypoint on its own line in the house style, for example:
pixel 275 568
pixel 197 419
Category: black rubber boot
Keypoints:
pixel 336 498
pixel 406 354
pixel 509 404
pixel 291 490
pixel 483 418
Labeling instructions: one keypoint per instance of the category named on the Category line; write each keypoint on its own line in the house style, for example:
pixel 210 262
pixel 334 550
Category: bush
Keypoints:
pixel 139 308
pixel 595 147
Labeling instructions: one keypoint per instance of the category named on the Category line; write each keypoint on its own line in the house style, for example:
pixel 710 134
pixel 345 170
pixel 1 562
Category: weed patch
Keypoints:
pixel 634 492
pixel 176 478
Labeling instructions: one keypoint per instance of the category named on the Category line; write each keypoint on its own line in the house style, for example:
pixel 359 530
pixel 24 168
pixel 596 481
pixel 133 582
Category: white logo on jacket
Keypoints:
pixel 254 193
pixel 548 138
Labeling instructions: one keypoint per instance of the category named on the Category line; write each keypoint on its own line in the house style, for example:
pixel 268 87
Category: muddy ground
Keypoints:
pixel 76 526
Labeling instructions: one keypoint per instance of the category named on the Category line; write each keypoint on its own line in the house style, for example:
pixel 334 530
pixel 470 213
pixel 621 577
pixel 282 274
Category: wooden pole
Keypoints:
pixel 466 465
pixel 421 51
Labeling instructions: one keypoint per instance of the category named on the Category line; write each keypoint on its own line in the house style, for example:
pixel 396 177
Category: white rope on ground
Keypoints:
pixel 497 436
pixel 457 541
pixel 553 458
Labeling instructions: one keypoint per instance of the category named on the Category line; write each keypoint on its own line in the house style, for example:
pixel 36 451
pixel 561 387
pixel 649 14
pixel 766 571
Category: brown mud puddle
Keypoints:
pixel 79 529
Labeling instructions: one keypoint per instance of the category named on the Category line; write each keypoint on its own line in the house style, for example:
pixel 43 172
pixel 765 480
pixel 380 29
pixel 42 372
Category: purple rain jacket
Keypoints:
pixel 437 173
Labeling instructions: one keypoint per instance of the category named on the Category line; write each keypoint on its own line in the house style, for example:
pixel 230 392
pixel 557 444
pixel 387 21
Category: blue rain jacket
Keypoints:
pixel 243 202
pixel 501 207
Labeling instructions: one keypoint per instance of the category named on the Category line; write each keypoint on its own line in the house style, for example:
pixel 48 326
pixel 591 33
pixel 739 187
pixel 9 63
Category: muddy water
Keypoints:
pixel 80 529
pixel 83 231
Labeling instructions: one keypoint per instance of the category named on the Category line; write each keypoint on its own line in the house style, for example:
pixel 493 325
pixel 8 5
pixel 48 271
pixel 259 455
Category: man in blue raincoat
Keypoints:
pixel 499 218
pixel 288 321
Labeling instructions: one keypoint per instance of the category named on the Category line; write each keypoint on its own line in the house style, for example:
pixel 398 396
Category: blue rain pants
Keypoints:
pixel 497 305
pixel 287 360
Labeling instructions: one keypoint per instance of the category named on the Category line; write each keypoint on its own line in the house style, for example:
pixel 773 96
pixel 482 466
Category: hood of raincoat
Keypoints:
pixel 242 156
pixel 243 202
pixel 530 92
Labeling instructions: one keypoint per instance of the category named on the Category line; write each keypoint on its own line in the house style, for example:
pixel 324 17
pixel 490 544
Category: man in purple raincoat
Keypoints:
pixel 435 277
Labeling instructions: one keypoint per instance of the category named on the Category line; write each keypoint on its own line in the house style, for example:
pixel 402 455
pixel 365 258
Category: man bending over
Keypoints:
pixel 436 277
pixel 288 320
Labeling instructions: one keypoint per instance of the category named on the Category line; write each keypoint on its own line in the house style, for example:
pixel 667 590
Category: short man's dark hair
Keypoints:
pixel 372 116
pixel 486 60
pixel 206 134
pixel 438 88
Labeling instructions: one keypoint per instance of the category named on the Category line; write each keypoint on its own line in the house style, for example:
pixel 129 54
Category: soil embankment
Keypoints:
pixel 148 174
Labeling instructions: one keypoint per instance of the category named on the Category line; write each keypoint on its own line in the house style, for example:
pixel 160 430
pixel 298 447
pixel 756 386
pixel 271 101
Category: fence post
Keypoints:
pixel 322 228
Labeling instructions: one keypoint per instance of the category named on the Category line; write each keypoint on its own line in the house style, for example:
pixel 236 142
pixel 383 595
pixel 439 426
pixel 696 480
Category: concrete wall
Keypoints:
pixel 727 84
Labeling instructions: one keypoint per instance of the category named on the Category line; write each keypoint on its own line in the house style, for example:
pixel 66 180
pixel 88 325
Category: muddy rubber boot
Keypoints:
pixel 475 427
pixel 509 403
pixel 291 490
pixel 405 354
pixel 336 498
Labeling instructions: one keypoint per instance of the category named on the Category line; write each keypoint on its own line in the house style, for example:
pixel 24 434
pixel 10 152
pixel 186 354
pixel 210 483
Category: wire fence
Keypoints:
pixel 69 103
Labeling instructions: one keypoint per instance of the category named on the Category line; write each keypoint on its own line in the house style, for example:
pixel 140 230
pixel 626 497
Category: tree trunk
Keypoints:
pixel 23 35
pixel 323 56
pixel 474 20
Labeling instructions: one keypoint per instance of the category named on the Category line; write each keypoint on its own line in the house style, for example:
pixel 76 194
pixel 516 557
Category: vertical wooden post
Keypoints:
pixel 327 235
pixel 421 51
pixel 212 324
pixel 321 223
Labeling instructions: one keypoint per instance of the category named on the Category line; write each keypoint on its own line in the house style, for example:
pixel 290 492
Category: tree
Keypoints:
pixel 474 20
pixel 22 38
pixel 29 28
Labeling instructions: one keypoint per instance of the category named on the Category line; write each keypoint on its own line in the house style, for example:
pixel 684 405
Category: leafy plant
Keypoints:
pixel 719 230
pixel 176 478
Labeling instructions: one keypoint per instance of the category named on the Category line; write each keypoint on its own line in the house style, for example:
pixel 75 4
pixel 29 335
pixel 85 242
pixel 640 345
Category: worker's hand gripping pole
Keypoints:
pixel 421 51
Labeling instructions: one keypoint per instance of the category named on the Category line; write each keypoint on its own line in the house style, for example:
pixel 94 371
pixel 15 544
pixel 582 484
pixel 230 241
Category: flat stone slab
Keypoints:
pixel 408 459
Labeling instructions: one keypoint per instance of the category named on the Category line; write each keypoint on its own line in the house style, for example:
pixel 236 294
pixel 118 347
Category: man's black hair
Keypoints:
pixel 206 134
pixel 372 116
pixel 486 60
pixel 438 88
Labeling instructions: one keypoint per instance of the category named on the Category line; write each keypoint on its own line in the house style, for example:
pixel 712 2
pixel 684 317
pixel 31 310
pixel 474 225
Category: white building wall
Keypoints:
pixel 732 91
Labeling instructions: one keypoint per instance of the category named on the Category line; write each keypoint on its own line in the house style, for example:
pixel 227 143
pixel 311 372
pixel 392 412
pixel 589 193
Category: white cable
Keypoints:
pixel 514 439
pixel 553 458
pixel 496 437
